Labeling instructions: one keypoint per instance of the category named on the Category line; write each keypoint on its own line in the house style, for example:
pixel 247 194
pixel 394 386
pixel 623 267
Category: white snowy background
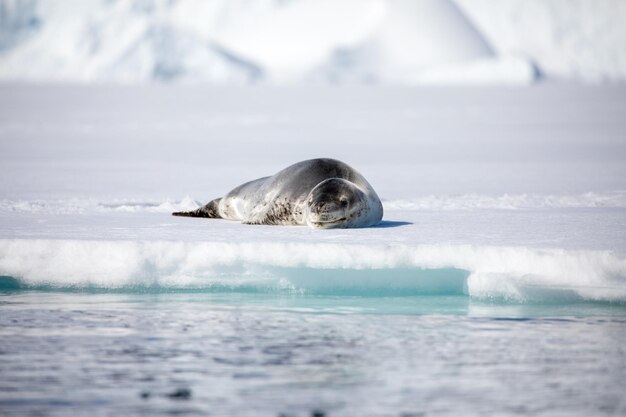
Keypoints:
pixel 292 41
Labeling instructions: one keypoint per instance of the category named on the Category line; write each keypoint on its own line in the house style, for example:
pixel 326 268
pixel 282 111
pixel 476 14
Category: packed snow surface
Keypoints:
pixel 501 194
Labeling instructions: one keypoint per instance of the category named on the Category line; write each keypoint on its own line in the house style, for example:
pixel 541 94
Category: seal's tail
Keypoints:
pixel 209 211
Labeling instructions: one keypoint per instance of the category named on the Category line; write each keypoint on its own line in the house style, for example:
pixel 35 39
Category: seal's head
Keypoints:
pixel 335 203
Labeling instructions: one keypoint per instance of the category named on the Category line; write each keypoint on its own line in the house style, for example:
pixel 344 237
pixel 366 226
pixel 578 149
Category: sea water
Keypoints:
pixel 254 354
pixel 496 284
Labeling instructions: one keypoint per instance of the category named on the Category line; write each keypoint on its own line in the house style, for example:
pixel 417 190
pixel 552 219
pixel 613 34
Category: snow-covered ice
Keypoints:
pixel 510 193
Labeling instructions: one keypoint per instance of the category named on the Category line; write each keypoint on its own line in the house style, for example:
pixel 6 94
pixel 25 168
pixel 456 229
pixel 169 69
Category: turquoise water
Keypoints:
pixel 214 352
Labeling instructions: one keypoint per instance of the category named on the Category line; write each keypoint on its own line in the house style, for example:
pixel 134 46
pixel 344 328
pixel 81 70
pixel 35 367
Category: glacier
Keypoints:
pixel 375 41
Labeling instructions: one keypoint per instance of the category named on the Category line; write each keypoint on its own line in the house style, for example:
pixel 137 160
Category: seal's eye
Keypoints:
pixel 343 200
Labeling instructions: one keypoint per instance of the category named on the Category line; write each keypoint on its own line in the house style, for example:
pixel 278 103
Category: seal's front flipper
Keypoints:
pixel 209 211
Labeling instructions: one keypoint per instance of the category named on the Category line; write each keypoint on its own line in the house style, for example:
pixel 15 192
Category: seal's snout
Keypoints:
pixel 326 211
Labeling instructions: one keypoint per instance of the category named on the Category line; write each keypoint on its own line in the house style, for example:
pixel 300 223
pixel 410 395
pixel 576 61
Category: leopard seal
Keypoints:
pixel 322 193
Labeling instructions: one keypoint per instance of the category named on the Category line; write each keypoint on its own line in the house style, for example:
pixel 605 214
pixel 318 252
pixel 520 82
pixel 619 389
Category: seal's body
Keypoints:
pixel 323 193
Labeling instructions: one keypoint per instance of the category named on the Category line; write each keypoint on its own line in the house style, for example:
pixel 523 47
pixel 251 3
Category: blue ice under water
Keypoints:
pixel 324 350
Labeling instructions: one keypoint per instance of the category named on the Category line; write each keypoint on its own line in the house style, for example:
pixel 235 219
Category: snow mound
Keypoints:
pixel 568 39
pixel 419 35
pixel 395 41
pixel 125 42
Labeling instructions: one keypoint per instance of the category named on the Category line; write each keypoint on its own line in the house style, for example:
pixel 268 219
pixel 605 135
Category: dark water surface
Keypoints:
pixel 235 354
